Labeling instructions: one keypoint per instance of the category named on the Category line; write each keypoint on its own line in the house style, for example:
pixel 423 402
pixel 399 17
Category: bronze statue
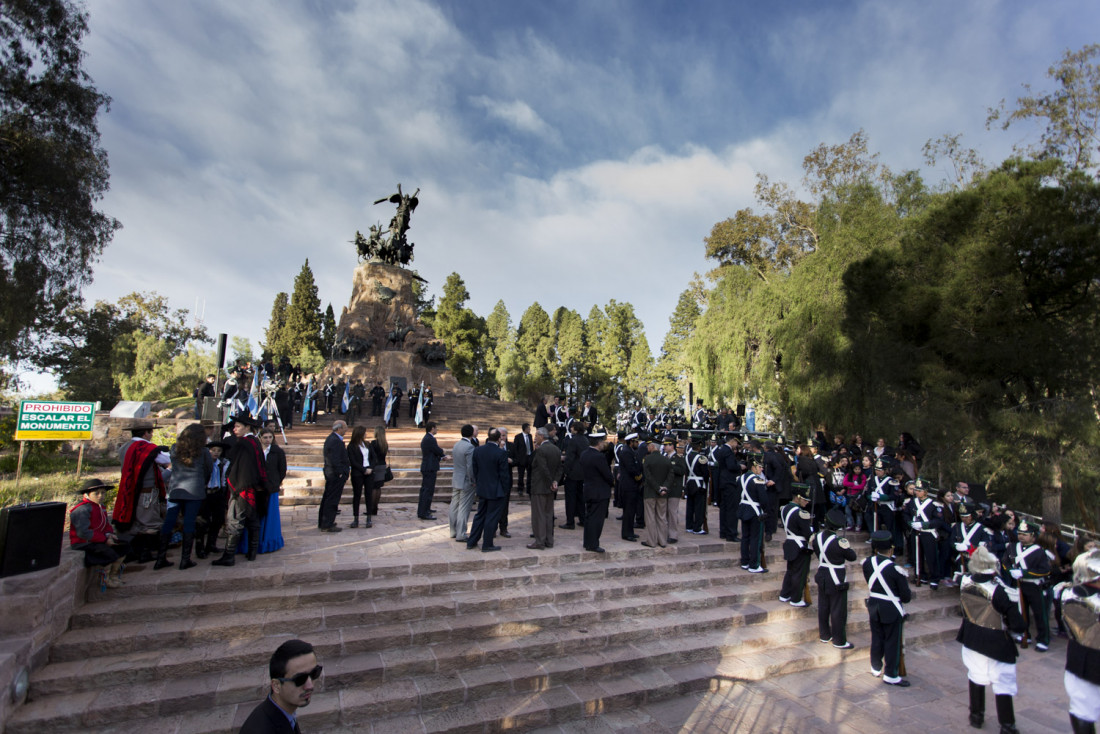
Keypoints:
pixel 396 248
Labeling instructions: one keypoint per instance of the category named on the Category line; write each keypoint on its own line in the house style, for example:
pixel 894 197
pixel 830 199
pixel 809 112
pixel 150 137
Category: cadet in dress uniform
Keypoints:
pixel 1027 563
pixel 887 591
pixel 884 491
pixel 750 511
pixel 630 487
pixel 966 536
pixel 796 548
pixel 834 552
pixel 695 486
pixel 989 609
pixel 926 520
pixel 1081 612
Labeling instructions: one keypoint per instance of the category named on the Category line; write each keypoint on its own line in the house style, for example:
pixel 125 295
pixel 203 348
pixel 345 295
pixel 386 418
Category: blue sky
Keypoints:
pixel 566 152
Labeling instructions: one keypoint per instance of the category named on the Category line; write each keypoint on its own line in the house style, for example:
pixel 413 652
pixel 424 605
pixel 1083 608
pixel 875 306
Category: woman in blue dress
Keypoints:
pixel 271 528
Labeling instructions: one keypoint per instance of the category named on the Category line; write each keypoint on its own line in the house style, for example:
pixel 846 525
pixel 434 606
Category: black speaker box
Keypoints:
pixel 31 537
pixel 221 349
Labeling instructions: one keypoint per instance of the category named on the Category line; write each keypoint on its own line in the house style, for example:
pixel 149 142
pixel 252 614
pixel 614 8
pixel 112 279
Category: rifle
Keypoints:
pixel 901 659
pixel 916 554
pixel 806 597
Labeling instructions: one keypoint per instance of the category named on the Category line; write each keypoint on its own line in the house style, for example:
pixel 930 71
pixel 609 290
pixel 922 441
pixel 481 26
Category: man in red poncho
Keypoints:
pixel 139 507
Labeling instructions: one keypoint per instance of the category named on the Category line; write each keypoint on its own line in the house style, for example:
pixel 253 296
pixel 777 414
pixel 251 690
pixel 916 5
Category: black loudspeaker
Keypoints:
pixel 221 350
pixel 211 409
pixel 31 537
pixel 741 410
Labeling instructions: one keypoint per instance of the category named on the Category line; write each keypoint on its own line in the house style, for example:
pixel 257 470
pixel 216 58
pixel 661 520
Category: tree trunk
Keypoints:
pixel 1052 492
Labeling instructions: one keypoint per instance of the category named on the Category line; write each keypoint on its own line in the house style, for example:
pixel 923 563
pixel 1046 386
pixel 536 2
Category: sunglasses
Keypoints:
pixel 300 679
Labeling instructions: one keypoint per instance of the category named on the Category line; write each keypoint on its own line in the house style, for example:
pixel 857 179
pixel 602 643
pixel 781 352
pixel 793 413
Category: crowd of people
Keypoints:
pixel 662 485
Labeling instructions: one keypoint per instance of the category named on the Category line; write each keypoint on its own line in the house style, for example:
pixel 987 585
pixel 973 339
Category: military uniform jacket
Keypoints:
pixel 597 475
pixel 727 468
pixel 1031 559
pixel 796 522
pixel 658 473
pixel 887 587
pixel 928 514
pixel 834 552
pixel 1081 610
pixel 972 536
pixel 754 489
pixel 630 469
pixel 884 490
pixel 698 471
pixel 679 473
pixel 993 642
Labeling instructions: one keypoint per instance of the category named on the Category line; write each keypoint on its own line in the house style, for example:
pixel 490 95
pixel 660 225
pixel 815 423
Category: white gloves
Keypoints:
pixel 1016 573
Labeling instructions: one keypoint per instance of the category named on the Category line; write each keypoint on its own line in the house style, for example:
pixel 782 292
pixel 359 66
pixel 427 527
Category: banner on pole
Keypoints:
pixel 41 420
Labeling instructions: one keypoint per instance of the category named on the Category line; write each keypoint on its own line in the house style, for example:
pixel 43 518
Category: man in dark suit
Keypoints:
pixel 430 454
pixel 545 470
pixel 493 478
pixel 597 488
pixel 522 451
pixel 589 416
pixel 293 668
pixel 337 470
pixel 542 416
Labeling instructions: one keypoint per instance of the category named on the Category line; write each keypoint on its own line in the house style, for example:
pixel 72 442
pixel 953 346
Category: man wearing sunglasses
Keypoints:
pixel 293 669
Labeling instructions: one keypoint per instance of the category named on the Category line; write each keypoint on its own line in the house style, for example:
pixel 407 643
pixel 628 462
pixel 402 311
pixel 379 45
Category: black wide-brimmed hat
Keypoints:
pixel 93 485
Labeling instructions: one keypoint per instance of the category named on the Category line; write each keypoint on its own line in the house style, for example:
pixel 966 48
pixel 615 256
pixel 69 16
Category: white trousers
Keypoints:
pixel 986 671
pixel 1084 698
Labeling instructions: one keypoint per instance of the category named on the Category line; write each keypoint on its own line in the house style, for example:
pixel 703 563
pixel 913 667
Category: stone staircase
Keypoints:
pixel 440 641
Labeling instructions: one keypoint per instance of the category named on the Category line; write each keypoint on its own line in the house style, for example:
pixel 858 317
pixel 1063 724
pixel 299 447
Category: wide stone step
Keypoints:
pixel 365 687
pixel 506 613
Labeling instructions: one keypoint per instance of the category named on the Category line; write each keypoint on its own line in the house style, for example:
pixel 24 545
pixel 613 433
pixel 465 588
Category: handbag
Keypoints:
pixel 389 474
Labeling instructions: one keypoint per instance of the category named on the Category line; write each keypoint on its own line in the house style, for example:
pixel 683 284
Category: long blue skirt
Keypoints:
pixel 271 530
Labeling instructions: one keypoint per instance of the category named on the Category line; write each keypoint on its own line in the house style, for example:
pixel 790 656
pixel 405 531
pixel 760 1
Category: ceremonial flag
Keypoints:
pixel 307 400
pixel 345 403
pixel 254 394
pixel 420 406
pixel 389 409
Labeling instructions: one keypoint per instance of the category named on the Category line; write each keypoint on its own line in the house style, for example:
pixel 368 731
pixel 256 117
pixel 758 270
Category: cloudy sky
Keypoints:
pixel 566 152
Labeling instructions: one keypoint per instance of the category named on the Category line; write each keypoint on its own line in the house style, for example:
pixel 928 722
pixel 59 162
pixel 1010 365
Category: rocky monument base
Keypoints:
pixel 378 336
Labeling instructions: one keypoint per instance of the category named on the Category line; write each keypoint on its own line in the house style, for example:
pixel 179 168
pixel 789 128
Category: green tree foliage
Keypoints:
pixel 535 344
pixel 423 306
pixel 155 373
pixel 673 371
pixel 572 351
pixel 1071 112
pixel 989 305
pixel 52 171
pixel 500 338
pixel 328 332
pixel 98 348
pixel 303 317
pixel 273 335
pixel 240 349
pixel 461 331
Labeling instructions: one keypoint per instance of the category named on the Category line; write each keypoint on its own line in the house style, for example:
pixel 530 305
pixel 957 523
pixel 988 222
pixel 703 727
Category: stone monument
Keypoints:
pixel 378 337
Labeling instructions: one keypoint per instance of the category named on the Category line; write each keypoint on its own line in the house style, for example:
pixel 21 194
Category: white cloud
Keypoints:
pixel 244 138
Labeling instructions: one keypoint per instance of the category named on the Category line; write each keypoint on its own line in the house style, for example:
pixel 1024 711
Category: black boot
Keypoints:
pixel 162 553
pixel 227 558
pixel 253 545
pixel 1005 714
pixel 200 544
pixel 212 541
pixel 1080 726
pixel 144 542
pixel 977 705
pixel 185 552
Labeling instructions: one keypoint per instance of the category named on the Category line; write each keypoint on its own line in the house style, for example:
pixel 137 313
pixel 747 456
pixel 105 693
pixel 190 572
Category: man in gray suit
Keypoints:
pixel 462 483
pixel 545 470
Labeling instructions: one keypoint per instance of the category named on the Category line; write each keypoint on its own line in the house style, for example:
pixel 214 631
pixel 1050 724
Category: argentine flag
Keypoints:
pixel 389 408
pixel 420 406
pixel 307 400
pixel 254 394
pixel 345 403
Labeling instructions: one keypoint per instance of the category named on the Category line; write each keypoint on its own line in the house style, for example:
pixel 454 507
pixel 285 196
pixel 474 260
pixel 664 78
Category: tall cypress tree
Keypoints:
pixel 303 317
pixel 273 336
pixel 328 332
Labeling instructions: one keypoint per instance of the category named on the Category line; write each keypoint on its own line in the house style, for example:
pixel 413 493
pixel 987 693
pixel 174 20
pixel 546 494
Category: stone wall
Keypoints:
pixel 35 608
